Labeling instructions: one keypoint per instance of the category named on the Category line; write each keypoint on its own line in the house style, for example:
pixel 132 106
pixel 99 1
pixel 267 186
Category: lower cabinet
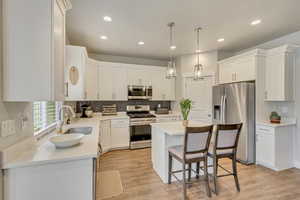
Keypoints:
pixel 114 134
pixel 274 146
pixel 119 133
pixel 74 180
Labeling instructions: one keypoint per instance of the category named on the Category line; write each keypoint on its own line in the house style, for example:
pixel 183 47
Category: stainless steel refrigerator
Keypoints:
pixel 235 103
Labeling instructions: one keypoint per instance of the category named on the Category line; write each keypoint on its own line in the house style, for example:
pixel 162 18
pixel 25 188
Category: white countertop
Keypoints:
pixel 44 152
pixel 170 114
pixel 176 128
pixel 283 123
pixel 35 152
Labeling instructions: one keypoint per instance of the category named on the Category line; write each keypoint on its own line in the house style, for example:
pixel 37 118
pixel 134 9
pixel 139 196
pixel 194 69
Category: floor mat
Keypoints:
pixel 109 184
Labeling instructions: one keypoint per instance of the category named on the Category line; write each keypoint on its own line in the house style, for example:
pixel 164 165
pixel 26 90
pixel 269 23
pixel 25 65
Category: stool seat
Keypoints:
pixel 178 151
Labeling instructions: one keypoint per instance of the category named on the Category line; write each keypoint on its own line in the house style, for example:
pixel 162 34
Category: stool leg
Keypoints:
pixel 206 178
pixel 190 171
pixel 197 169
pixel 234 169
pixel 215 174
pixel 170 169
pixel 184 180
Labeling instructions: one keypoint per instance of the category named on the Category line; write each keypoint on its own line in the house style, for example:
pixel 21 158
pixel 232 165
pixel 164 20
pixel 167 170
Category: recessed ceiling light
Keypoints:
pixel 107 19
pixel 221 40
pixel 141 43
pixel 173 47
pixel 198 51
pixel 103 37
pixel 255 22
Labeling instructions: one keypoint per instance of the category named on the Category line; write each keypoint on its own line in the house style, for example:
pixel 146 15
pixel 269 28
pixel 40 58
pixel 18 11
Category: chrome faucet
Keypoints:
pixel 61 120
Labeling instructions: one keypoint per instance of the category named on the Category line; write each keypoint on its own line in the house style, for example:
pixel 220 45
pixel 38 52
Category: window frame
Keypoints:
pixel 51 127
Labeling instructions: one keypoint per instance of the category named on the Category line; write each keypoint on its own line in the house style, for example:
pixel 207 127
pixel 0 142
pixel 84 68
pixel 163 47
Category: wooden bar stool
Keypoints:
pixel 225 146
pixel 194 150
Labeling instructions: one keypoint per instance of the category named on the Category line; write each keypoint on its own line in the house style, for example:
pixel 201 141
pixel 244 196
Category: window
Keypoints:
pixel 45 115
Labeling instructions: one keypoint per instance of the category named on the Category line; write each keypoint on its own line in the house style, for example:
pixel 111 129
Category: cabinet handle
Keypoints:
pixel 67 89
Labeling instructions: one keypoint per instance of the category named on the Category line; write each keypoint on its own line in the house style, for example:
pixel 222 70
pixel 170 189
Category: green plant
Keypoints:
pixel 185 106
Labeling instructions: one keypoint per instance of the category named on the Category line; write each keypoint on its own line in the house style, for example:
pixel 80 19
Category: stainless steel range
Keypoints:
pixel 140 129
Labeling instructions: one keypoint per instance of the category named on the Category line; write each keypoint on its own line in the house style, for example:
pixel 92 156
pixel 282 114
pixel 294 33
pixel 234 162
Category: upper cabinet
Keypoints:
pixel 91 80
pixel 75 73
pixel 240 68
pixel 279 74
pixel 163 88
pixel 34 50
pixel 112 82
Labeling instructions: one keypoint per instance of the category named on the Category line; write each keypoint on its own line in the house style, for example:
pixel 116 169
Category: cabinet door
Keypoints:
pixel 163 88
pixel 105 135
pixel 119 133
pixel 59 52
pixel 91 88
pixel 138 76
pixel 275 77
pixel 119 83
pixel 105 83
pixel 244 69
pixel 112 83
pixel 226 73
pixel 265 151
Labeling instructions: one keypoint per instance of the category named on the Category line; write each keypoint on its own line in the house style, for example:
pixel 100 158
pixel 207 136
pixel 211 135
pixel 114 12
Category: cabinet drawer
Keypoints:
pixel 264 129
pixel 119 123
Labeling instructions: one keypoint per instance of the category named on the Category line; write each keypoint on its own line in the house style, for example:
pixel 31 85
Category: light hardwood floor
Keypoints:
pixel 140 182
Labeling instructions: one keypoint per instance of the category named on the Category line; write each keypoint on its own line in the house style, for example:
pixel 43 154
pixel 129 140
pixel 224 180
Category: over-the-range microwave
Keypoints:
pixel 139 92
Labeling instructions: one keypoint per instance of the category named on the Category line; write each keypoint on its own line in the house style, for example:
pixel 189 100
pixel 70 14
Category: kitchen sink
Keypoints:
pixel 82 130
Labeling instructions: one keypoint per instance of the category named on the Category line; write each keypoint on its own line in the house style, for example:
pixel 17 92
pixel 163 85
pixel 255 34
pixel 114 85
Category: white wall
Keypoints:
pixel 128 60
pixel 185 64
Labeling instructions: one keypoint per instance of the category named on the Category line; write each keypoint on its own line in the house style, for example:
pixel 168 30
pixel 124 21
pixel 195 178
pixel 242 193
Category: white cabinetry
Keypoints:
pixel 163 88
pixel 279 76
pixel 114 134
pixel 138 75
pixel 239 68
pixel 105 138
pixel 119 133
pixel 91 78
pixel 274 146
pixel 75 72
pixel 112 82
pixel 34 53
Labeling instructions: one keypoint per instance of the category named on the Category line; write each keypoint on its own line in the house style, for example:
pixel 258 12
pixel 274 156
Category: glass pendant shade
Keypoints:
pixel 198 71
pixel 171 69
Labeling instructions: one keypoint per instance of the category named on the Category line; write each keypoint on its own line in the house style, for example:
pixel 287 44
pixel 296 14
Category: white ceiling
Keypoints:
pixel 146 20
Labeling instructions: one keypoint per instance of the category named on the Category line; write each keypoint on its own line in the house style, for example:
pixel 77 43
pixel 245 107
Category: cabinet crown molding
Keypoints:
pixel 255 52
pixel 287 48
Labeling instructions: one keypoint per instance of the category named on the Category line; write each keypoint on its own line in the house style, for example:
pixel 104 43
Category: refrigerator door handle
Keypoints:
pixel 222 110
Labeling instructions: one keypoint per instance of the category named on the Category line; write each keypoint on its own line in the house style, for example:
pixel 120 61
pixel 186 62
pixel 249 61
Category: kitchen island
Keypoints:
pixel 165 135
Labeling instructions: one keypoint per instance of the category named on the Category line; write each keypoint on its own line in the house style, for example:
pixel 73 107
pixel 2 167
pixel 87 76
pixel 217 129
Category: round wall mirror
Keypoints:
pixel 73 75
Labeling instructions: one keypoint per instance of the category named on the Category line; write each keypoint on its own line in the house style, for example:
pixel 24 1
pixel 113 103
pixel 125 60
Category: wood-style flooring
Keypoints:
pixel 140 182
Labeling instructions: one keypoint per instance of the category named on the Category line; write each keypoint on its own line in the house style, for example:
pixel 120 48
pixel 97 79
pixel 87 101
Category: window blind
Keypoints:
pixel 45 113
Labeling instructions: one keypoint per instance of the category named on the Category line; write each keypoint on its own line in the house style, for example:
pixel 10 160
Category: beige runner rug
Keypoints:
pixel 109 184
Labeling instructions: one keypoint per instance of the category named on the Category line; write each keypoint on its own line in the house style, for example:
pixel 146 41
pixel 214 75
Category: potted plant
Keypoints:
pixel 185 106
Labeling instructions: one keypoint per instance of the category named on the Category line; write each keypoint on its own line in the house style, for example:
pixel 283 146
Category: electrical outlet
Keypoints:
pixel 12 127
pixel 5 128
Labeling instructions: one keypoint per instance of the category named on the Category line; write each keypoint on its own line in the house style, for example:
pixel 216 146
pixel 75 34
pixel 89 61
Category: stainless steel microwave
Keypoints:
pixel 139 92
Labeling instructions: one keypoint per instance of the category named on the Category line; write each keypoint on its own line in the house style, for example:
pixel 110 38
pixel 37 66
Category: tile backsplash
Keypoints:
pixel 121 105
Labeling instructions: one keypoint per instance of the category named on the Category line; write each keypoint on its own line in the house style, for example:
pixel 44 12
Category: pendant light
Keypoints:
pixel 171 69
pixel 198 68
